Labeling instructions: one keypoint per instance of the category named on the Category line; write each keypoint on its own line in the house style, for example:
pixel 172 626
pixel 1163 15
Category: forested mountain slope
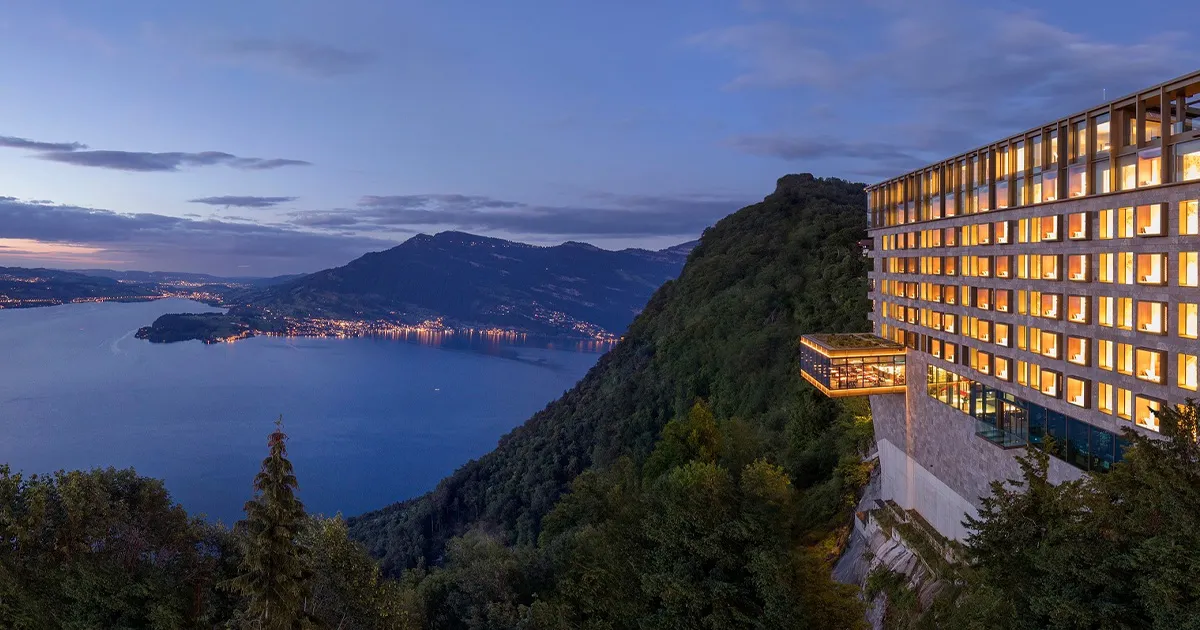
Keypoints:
pixel 726 332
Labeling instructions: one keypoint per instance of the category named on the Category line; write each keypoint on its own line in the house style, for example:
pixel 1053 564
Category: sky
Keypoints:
pixel 270 137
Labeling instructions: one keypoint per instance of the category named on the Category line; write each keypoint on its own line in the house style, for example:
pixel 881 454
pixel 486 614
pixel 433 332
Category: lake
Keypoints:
pixel 370 421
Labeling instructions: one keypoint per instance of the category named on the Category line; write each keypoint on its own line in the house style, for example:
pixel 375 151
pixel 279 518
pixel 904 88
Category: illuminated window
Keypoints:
pixel 1105 312
pixel 1052 141
pixel 1104 354
pixel 1003 266
pixel 983 362
pixel 1102 177
pixel 1125 267
pixel 1049 383
pixel 1124 403
pixel 983 299
pixel 1125 221
pixel 1189 217
pixel 1003 297
pixel 1104 397
pixel 1049 185
pixel 1050 344
pixel 1002 193
pixel 1002 338
pixel 1125 313
pixel 1077 267
pixel 1189 269
pixel 1189 320
pixel 1023 373
pixel 950 236
pixel 1077 180
pixel 1106 224
pixel 1187 372
pixel 951 352
pixel 935 347
pixel 1187 161
pixel 1151 268
pixel 1077 350
pixel 1077 391
pixel 1050 270
pixel 983 330
pixel 1125 358
pixel 1079 139
pixel 1048 228
pixel 1127 166
pixel 1145 412
pixel 1001 371
pixel 1077 226
pixel 1152 317
pixel 1050 306
pixel 1105 267
pixel 1001 230
pixel 1103 135
pixel 1149 170
pixel 1149 220
pixel 1149 365
pixel 1077 309
pixel 948 323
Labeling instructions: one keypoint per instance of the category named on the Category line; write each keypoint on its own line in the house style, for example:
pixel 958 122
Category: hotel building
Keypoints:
pixel 1046 285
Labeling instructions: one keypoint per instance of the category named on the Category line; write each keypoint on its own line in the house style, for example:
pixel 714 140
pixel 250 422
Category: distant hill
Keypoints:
pixel 20 287
pixel 470 280
pixel 726 330
pixel 173 276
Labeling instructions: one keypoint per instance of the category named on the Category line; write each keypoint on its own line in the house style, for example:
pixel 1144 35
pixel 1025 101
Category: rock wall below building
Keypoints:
pixel 930 459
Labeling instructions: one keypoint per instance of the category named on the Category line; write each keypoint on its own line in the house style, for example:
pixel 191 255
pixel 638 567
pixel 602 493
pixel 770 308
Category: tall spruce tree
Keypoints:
pixel 274 574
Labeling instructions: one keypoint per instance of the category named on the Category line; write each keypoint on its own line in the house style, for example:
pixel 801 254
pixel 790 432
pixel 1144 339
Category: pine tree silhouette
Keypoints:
pixel 274 574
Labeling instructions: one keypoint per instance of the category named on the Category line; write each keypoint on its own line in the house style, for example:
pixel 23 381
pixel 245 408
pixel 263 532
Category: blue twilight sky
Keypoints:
pixel 268 137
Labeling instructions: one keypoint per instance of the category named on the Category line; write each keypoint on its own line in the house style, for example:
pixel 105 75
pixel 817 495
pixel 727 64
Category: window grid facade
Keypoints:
pixel 1059 266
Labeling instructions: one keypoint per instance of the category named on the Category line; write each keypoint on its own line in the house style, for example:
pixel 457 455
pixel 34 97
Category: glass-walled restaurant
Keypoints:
pixel 852 364
pixel 1143 140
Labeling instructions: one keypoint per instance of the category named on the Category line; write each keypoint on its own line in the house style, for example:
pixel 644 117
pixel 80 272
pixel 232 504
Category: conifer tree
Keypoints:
pixel 274 574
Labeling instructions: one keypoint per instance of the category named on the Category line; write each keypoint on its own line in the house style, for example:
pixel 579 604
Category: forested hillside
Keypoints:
pixel 693 430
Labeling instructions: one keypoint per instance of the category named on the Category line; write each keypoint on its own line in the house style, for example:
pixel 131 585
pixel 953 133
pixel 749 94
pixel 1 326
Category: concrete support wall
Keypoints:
pixel 932 462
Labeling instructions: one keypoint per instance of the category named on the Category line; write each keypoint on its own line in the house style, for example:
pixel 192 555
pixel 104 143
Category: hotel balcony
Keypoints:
pixel 858 364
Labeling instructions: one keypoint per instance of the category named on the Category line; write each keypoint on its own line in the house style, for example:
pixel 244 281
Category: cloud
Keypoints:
pixel 926 79
pixel 613 215
pixel 296 55
pixel 149 162
pixel 22 143
pixel 141 161
pixel 241 201
pixel 154 241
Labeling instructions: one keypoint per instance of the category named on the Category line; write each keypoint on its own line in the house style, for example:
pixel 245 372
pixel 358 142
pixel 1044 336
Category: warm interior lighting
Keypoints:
pixel 1077 267
pixel 1148 365
pixel 1150 167
pixel 1144 412
pixel 1189 217
pixel 1077 392
pixel 1077 309
pixel 1149 220
pixel 1189 269
pixel 1187 161
pixel 1077 350
pixel 1151 317
pixel 1189 372
pixel 1150 268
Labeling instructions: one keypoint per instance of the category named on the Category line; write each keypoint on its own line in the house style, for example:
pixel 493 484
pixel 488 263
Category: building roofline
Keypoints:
pixel 1175 83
